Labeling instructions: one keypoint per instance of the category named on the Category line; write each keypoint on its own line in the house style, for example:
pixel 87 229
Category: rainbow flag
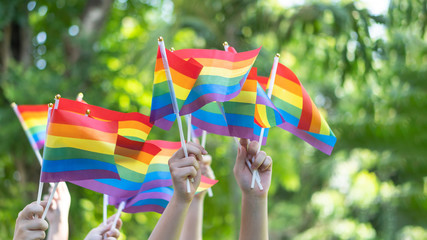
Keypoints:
pixel 221 78
pixel 302 117
pixel 156 199
pixel 184 75
pixel 132 160
pixel 33 119
pixel 78 147
pixel 134 126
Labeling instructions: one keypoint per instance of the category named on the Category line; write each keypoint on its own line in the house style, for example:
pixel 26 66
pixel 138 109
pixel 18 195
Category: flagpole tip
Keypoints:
pixel 50 105
pixel 225 43
pixel 278 55
pixel 88 111
pixel 80 95
pixel 57 97
pixel 172 49
pixel 160 39
pixel 13 104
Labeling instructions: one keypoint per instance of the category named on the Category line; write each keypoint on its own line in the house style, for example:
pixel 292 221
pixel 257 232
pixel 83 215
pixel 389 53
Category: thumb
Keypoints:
pixel 241 156
pixel 103 228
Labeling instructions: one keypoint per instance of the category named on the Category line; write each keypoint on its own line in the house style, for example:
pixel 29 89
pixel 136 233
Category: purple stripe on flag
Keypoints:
pixel 307 137
pixel 104 188
pixel 205 99
pixel 155 184
pixel 164 123
pixel 211 128
pixel 156 114
pixel 77 175
pixel 40 144
pixel 149 195
pixel 144 208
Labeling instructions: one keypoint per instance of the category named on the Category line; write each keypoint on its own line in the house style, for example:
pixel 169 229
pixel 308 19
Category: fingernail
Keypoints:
pixel 204 152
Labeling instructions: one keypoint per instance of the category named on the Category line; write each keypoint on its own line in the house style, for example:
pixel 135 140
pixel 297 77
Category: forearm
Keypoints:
pixel 254 222
pixel 192 228
pixel 170 223
pixel 58 229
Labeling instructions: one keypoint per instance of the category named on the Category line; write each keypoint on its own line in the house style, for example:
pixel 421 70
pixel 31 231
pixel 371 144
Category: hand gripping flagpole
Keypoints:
pixel 255 174
pixel 49 201
pixel 269 93
pixel 174 102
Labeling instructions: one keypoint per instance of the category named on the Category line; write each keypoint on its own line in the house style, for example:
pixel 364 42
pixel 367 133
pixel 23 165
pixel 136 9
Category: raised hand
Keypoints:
pixel 261 162
pixel 182 168
pixel 103 232
pixel 29 224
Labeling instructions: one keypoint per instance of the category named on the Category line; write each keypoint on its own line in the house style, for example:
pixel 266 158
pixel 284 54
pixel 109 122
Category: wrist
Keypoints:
pixel 254 197
pixel 180 201
pixel 200 196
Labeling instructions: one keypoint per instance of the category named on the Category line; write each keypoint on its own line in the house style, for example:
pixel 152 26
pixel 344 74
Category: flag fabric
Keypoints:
pixel 156 199
pixel 78 147
pixel 302 117
pixel 251 110
pixel 134 126
pixel 34 120
pixel 158 174
pixel 132 160
pixel 210 118
pixel 184 75
pixel 221 78
pixel 238 117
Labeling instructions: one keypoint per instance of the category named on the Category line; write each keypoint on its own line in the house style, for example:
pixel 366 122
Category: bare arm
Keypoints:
pixel 172 220
pixel 57 215
pixel 193 224
pixel 254 222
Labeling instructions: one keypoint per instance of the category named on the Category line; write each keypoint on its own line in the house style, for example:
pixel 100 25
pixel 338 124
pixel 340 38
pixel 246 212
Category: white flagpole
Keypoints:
pixel 80 97
pixel 119 211
pixel 104 209
pixel 174 102
pixel 255 174
pixel 269 93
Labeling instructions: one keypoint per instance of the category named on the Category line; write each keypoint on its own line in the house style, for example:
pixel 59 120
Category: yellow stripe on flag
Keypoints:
pixel 83 144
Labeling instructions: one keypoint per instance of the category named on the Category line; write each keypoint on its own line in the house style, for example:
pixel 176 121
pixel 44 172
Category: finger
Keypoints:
pixel 266 165
pixel 202 150
pixel 119 224
pixel 241 157
pixel 186 172
pixel 30 210
pixel 37 224
pixel 113 233
pixel 207 160
pixel 258 160
pixel 36 235
pixel 252 149
pixel 110 220
pixel 194 148
pixel 244 142
pixel 185 162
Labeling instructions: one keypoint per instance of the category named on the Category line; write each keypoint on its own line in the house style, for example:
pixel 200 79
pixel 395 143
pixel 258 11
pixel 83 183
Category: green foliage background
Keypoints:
pixel 371 89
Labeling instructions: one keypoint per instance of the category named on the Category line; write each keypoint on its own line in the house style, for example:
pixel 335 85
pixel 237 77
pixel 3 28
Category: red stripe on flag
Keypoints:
pixel 306 115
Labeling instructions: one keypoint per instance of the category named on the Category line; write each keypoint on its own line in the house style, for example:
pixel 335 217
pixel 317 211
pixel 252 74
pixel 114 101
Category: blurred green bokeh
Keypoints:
pixel 367 72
